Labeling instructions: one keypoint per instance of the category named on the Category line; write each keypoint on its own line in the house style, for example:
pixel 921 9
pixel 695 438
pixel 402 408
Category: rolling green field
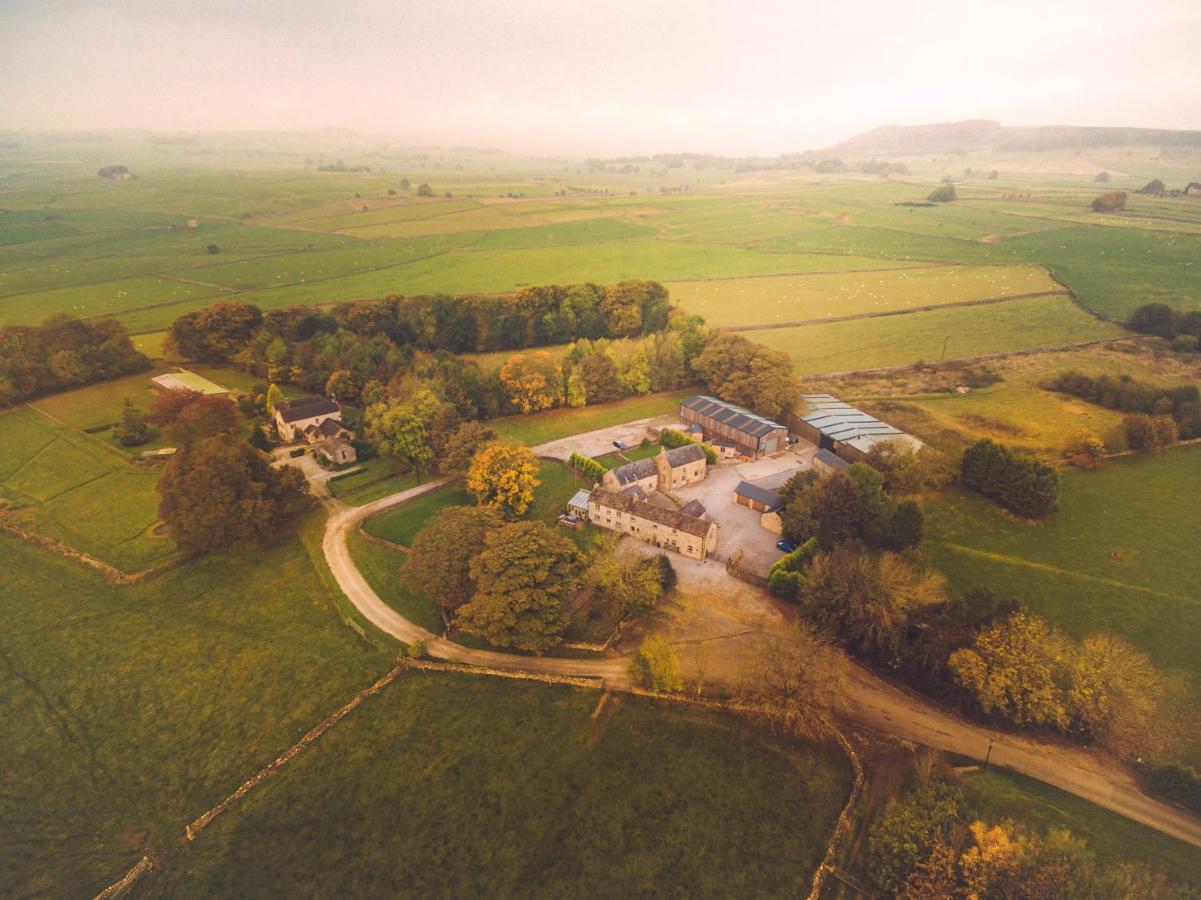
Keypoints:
pixel 1119 555
pixel 78 490
pixel 541 428
pixel 518 792
pixel 935 335
pixel 797 298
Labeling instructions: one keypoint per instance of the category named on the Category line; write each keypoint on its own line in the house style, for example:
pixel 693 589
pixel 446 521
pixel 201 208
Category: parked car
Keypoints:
pixel 620 445
pixel 785 546
pixel 299 451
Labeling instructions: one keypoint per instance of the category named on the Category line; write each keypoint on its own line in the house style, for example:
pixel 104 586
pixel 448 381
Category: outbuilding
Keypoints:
pixel 757 498
pixel 751 434
pixel 843 430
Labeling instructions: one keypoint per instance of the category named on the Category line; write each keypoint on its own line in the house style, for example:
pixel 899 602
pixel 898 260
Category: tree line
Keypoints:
pixel 63 352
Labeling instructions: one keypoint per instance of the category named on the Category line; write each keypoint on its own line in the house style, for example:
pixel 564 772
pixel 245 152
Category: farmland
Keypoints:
pixel 1117 557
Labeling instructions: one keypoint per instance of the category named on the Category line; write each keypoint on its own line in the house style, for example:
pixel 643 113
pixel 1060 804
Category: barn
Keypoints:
pixel 726 423
pixel 845 431
pixel 757 498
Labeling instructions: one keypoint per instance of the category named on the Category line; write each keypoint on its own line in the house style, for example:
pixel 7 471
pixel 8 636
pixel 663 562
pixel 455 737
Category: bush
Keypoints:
pixel 587 467
pixel 1110 201
pixel 1185 343
pixel 416 650
pixel 1024 486
pixel 906 527
pixel 1177 784
pixel 908 830
pixel 1154 318
pixel 944 194
pixel 656 667
pixel 667 572
pixel 1154 187
pixel 1148 433
pixel 784 580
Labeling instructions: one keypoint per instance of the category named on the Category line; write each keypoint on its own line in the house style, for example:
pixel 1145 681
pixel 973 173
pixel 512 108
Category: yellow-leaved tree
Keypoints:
pixel 533 382
pixel 503 476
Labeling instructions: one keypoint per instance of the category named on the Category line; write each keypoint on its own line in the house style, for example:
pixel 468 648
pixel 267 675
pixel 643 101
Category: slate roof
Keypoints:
pixel 328 427
pixel 693 508
pixel 843 422
pixel 737 417
pixel 307 408
pixel 332 445
pixel 834 462
pixel 645 468
pixel 771 499
pixel 671 518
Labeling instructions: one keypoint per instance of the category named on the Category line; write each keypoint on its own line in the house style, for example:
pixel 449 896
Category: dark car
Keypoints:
pixel 620 445
pixel 299 451
pixel 786 546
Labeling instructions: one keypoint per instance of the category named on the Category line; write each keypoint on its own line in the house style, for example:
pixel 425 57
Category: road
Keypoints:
pixel 870 701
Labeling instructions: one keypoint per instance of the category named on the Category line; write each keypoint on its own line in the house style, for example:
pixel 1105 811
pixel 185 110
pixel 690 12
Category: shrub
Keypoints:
pixel 587 467
pixel 1024 486
pixel 1177 784
pixel 667 572
pixel 1148 433
pixel 1154 187
pixel 1110 201
pixel 906 527
pixel 1184 343
pixel 908 830
pixel 784 579
pixel 416 650
pixel 1154 318
pixel 656 667
pixel 943 194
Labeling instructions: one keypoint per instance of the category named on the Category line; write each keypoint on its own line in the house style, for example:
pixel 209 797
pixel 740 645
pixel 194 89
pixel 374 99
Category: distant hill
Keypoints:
pixel 978 135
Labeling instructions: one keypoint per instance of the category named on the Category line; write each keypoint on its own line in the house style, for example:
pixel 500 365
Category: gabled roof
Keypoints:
pixel 579 500
pixel 682 456
pixel 737 417
pixel 693 508
pixel 843 422
pixel 771 499
pixel 307 408
pixel 328 427
pixel 333 445
pixel 645 468
pixel 670 518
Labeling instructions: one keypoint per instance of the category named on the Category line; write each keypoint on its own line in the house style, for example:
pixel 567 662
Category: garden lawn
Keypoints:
pixel 541 428
pixel 130 710
pixel 377 477
pixel 456 786
pixel 383 567
pixel 1120 555
pixel 402 524
pixel 912 337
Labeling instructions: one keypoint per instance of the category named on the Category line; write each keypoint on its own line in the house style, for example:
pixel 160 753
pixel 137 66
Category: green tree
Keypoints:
pixel 942 194
pixel 219 494
pixel 906 527
pixel 655 666
pixel 133 429
pixel 215 333
pixel 424 190
pixel 743 372
pixel 909 830
pixel 275 397
pixel 340 386
pixel 405 430
pixel 439 562
pixel 461 447
pixel 1150 433
pixel 523 579
pixel 836 506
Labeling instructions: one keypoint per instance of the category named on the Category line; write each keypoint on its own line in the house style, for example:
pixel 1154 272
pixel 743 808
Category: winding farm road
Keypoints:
pixel 870 702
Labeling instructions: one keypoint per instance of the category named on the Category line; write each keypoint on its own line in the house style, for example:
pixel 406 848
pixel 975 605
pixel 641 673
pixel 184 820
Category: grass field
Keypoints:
pixel 541 428
pixel 74 488
pixel 384 568
pixel 1119 555
pixel 559 805
pixel 402 524
pixel 150 702
pixel 912 337
pixel 999 795
pixel 797 298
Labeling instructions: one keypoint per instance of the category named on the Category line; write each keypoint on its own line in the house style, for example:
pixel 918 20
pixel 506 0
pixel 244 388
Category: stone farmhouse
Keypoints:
pixel 669 470
pixel 312 419
pixel 627 513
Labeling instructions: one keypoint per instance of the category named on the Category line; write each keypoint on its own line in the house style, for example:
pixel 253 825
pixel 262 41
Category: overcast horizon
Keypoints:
pixel 548 78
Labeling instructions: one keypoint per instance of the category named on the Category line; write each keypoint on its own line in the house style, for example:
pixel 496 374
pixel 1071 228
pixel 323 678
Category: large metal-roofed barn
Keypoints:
pixel 845 431
pixel 750 433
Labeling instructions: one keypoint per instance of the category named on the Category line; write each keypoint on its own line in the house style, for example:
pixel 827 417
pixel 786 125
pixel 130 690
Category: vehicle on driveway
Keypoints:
pixel 620 445
pixel 786 546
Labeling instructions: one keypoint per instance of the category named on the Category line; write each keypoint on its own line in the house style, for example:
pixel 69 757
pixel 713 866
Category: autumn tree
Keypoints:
pixel 219 494
pixel 523 579
pixel 455 456
pixel 439 561
pixel 216 333
pixel 504 476
pixel 532 381
pixel 656 666
pixel 408 430
pixel 796 685
pixel 599 374
pixel 743 372
pixel 189 416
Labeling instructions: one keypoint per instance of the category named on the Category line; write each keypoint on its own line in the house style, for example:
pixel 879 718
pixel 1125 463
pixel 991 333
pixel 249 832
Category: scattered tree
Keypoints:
pixel 424 190
pixel 133 429
pixel 942 194
pixel 1111 201
pixel 504 476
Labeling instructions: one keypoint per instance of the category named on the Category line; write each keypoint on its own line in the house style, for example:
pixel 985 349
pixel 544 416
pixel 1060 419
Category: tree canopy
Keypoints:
pixel 743 372
pixel 439 562
pixel 504 476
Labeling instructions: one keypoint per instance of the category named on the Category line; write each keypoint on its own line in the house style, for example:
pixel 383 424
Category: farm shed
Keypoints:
pixel 845 431
pixel 751 434
pixel 757 498
pixel 188 381
pixel 826 460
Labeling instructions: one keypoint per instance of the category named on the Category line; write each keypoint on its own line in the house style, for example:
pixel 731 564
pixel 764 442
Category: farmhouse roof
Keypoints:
pixel 842 422
pixel 671 518
pixel 328 427
pixel 693 508
pixel 307 408
pixel 645 468
pixel 770 499
pixel 332 445
pixel 737 417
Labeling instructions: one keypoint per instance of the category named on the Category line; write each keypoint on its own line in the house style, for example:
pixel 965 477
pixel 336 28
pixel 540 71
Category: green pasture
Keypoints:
pixel 935 335
pixel 541 428
pixel 449 785
pixel 130 710
pixel 1120 555
pixel 587 231
pixel 375 478
pixel 76 489
pixel 402 524
pixel 384 570
pixel 792 298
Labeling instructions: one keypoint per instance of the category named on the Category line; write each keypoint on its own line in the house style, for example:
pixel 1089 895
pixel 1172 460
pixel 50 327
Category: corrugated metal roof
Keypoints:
pixel 829 459
pixel 844 423
pixel 738 417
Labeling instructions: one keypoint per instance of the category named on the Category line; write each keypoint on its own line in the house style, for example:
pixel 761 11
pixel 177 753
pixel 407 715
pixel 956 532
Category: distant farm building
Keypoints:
pixel 336 451
pixel 188 381
pixel 1194 189
pixel 845 431
pixel 668 470
pixel 305 419
pixel 670 529
pixel 728 425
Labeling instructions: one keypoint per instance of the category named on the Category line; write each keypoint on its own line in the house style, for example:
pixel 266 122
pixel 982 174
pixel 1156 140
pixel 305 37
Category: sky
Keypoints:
pixel 561 77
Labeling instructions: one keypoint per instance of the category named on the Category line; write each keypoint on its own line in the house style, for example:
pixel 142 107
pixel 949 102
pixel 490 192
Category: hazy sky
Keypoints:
pixel 560 76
